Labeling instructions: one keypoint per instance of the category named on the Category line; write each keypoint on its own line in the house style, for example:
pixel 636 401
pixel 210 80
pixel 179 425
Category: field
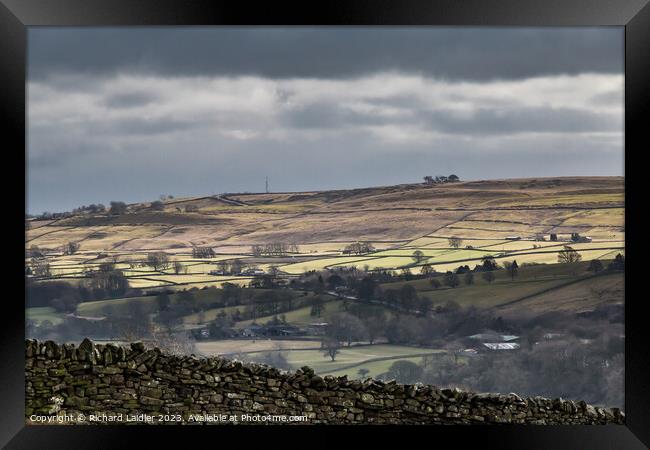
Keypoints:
pixel 407 227
pixel 376 358
pixel 397 220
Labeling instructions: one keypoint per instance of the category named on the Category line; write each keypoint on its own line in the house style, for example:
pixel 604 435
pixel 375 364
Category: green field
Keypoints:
pixel 353 356
pixel 39 315
pixel 299 316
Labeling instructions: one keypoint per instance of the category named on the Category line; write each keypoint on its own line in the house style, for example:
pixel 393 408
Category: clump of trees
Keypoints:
pixel 157 205
pixel 451 279
pixel 117 208
pixel 71 248
pixel 358 248
pixel 106 281
pixel 274 249
pixel 158 260
pixel 618 263
pixel 427 269
pixel 40 267
pixel 92 208
pixel 441 179
pixel 203 252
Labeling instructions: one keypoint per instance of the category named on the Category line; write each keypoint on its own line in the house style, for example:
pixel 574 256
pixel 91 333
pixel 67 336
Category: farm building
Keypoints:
pixel 253 331
pixel 493 337
pixel 513 238
pixel 499 346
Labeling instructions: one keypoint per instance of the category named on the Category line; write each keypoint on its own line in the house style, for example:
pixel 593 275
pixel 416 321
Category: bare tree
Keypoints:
pixel 455 242
pixel 418 256
pixel 158 260
pixel 41 267
pixel 71 248
pixel 332 347
pixel 568 255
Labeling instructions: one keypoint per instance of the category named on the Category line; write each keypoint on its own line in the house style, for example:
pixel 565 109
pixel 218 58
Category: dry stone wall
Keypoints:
pixel 109 381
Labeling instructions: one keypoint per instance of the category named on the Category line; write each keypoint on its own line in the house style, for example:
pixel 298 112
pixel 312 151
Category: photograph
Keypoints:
pixel 416 221
pixel 325 225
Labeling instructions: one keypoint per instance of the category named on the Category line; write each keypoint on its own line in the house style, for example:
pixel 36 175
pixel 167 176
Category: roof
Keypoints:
pixel 501 345
pixel 493 337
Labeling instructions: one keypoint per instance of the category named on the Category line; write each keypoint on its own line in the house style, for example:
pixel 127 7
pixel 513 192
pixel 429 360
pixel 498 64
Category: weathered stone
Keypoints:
pixel 131 380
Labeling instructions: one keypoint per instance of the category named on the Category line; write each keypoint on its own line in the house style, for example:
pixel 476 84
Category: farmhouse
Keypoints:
pixel 499 346
pixel 493 337
pixel 253 331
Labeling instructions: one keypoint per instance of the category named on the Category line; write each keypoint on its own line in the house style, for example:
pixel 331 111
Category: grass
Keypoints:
pixel 375 368
pixel 320 264
pixel 230 346
pixel 42 314
pixel 351 356
pixel 531 280
pixel 579 296
pixel 299 316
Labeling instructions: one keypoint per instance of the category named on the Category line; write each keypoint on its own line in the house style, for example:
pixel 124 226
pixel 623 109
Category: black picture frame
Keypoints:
pixel 634 15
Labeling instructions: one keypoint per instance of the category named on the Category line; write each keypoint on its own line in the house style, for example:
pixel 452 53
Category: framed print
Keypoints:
pixel 369 217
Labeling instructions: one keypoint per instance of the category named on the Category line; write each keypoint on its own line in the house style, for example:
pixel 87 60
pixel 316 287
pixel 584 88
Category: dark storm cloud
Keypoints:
pixel 482 121
pixel 453 53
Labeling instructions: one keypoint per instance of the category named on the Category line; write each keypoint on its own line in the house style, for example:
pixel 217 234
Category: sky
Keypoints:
pixel 129 114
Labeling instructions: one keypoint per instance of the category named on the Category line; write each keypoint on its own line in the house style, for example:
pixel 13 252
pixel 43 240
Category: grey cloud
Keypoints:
pixel 523 120
pixel 143 127
pixel 472 53
pixel 328 116
pixel 129 100
pixel 492 121
pixel 614 98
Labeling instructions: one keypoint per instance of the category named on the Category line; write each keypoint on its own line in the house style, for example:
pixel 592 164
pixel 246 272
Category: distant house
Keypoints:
pixel 253 272
pixel 493 337
pixel 575 237
pixel 253 331
pixel 498 346
pixel 513 238
pixel 317 328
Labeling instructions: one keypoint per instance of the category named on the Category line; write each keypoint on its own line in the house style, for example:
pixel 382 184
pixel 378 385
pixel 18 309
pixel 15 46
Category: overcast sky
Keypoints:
pixel 131 113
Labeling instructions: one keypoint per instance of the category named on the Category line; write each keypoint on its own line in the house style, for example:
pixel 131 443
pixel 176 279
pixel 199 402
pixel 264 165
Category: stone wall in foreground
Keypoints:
pixel 112 381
